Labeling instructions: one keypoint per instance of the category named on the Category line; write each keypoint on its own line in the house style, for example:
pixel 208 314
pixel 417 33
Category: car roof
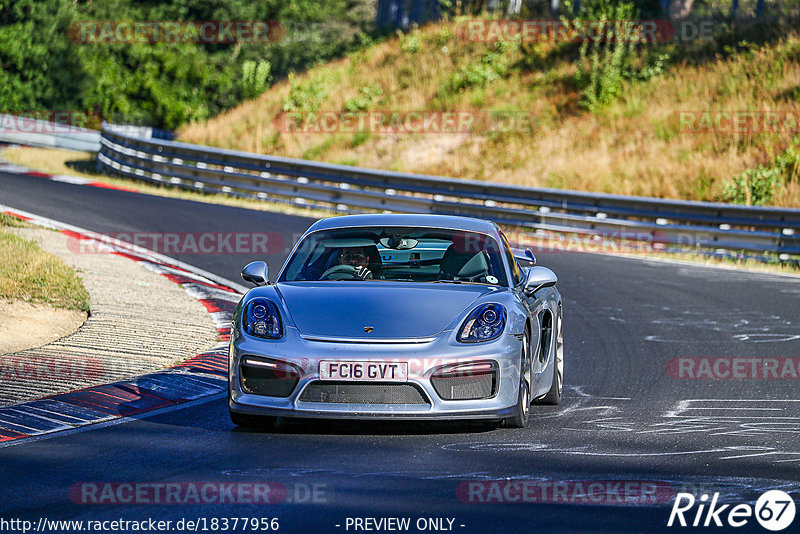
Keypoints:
pixel 452 222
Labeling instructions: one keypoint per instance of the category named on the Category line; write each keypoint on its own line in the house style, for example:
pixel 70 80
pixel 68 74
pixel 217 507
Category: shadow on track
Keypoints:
pixel 298 426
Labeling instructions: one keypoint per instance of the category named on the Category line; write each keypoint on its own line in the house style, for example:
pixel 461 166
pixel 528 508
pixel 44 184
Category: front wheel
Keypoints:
pixel 553 397
pixel 523 412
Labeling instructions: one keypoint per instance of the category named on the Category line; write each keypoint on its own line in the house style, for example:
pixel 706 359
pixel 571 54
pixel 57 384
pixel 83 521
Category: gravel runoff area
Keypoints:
pixel 24 325
pixel 139 321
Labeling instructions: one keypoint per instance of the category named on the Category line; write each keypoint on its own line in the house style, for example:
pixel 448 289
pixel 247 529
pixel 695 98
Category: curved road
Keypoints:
pixel 624 416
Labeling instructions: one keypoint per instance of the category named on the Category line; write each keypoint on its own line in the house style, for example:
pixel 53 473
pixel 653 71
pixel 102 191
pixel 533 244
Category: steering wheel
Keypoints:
pixel 346 272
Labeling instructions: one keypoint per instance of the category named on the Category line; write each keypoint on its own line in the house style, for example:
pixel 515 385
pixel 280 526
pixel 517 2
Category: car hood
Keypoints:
pixel 395 310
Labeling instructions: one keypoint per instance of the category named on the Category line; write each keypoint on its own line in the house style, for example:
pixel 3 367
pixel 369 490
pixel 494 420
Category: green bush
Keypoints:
pixel 789 162
pixel 607 63
pixel 758 186
pixel 604 63
pixel 411 42
pixel 656 65
pixel 359 138
pixel 753 187
pixel 306 96
pixel 256 77
pixel 491 66
pixel 46 67
pixel 365 99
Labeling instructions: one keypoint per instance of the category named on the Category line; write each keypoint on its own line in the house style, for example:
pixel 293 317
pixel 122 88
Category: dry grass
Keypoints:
pixel 50 160
pixel 31 274
pixel 633 147
pixel 9 221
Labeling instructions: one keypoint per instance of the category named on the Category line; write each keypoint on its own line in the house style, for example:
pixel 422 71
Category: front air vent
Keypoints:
pixel 272 378
pixel 468 381
pixel 368 393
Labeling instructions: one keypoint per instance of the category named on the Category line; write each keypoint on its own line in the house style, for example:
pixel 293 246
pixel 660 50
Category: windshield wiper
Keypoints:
pixel 458 282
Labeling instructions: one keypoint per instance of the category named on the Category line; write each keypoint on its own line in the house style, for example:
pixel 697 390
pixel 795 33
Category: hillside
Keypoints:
pixel 634 144
pixel 146 63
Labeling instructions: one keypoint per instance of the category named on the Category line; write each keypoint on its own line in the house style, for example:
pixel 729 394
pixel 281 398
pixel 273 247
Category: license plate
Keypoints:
pixel 372 371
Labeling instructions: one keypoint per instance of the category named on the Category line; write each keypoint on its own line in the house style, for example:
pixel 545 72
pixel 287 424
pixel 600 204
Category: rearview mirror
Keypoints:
pixel 256 273
pixel 398 243
pixel 537 278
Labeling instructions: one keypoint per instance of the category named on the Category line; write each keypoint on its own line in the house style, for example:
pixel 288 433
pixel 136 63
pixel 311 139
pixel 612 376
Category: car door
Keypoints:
pixel 531 303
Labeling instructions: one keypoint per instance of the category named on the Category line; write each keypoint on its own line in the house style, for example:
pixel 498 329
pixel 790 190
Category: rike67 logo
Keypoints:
pixel 774 511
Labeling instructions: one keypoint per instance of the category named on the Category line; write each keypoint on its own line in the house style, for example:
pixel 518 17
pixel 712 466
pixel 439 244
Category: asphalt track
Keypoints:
pixel 624 417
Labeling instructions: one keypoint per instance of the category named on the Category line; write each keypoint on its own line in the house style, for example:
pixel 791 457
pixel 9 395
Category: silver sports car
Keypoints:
pixel 397 317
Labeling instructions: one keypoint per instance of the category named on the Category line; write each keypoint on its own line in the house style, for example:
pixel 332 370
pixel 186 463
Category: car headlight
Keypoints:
pixel 485 323
pixel 261 319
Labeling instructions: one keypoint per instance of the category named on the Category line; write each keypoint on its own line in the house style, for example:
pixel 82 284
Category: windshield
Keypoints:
pixel 397 254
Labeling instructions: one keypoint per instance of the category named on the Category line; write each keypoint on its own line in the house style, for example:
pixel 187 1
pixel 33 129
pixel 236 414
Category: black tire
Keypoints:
pixel 522 416
pixel 553 397
pixel 252 421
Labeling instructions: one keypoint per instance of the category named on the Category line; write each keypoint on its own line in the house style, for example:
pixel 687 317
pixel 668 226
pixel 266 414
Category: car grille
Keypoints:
pixel 465 387
pixel 354 393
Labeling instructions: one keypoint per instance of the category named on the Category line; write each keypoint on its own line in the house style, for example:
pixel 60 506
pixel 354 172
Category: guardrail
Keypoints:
pixel 35 132
pixel 30 131
pixel 349 189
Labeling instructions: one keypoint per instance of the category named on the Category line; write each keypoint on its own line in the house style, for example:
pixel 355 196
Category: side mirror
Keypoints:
pixel 538 277
pixel 524 255
pixel 256 273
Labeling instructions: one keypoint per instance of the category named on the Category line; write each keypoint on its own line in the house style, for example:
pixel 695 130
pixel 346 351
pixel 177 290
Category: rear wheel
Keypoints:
pixel 553 396
pixel 252 421
pixel 523 412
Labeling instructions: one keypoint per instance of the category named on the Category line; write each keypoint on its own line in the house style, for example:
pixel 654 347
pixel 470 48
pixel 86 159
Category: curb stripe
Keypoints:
pixel 200 376
pixel 8 435
pixel 65 178
pixel 115 187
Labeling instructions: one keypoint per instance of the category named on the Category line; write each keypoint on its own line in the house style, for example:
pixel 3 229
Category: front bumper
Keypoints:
pixel 423 360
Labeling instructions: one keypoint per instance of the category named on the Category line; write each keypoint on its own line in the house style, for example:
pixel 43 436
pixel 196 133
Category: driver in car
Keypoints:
pixel 356 257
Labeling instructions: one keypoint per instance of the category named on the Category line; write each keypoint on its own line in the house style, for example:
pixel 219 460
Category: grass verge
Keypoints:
pixel 31 274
